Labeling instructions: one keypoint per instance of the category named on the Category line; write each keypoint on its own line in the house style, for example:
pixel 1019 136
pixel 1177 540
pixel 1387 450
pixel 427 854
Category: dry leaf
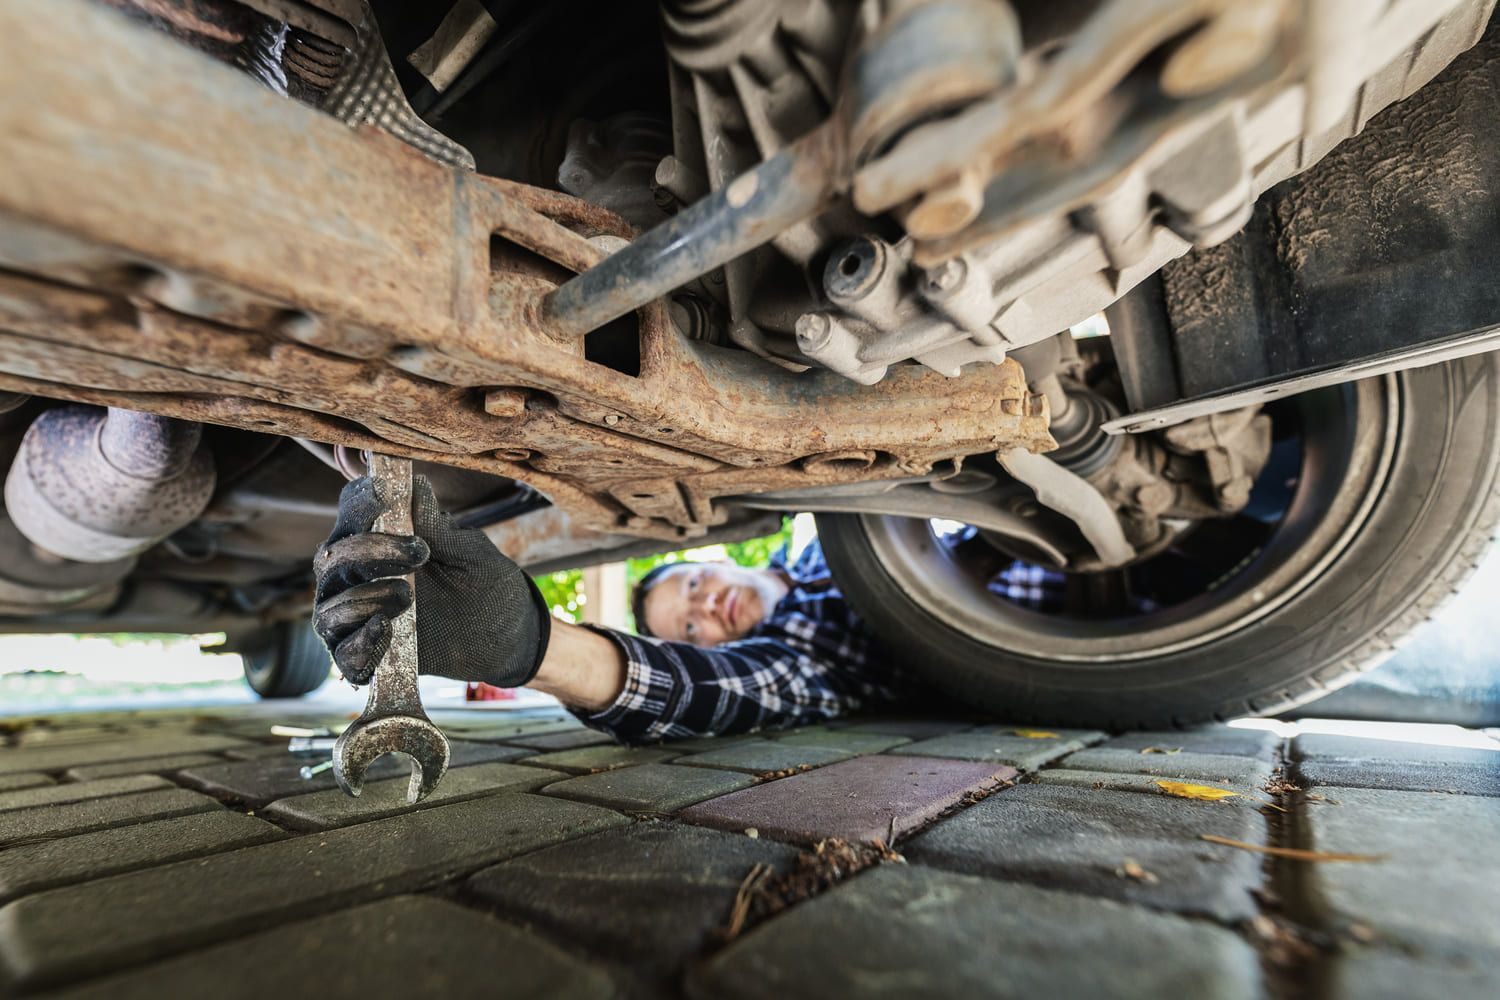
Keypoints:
pixel 1166 750
pixel 1294 853
pixel 1035 734
pixel 1132 869
pixel 1205 793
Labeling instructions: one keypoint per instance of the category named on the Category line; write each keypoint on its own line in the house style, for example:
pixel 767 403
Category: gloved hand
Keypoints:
pixel 479 617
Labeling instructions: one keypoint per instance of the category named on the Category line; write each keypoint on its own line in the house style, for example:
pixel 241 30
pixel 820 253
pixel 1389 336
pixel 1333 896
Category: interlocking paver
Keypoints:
pixel 912 729
pixel 265 779
pixel 507 729
pixel 1231 741
pixel 407 946
pixel 332 808
pixel 33 867
pixel 1434 891
pixel 659 788
pixel 863 799
pixel 1079 839
pixel 1003 745
pixel 591 760
pixel 73 932
pixel 1241 773
pixel 766 757
pixel 901 931
pixel 1120 782
pixel 109 751
pixel 843 739
pixel 78 791
pixel 566 739
pixel 12 782
pixel 589 891
pixel 65 820
pixel 146 765
pixel 1370 974
pixel 692 744
pixel 1356 762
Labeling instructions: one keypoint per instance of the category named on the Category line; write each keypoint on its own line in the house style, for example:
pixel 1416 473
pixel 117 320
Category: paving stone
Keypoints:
pixel 508 729
pixel 1077 839
pixel 78 791
pixel 1314 746
pixel 109 751
pixel 591 760
pixel 912 729
pixel 1459 779
pixel 1368 974
pixel 331 808
pixel 1436 889
pixel 1117 782
pixel 12 782
pixel 44 822
pixel 404 947
pixel 256 751
pixel 657 788
pixel 692 743
pixel 589 892
pixel 1230 741
pixel 842 739
pixel 566 739
pixel 77 931
pixel 147 765
pixel 263 780
pixel 766 757
pixel 34 867
pixel 864 799
pixel 1241 773
pixel 899 931
pixel 1002 745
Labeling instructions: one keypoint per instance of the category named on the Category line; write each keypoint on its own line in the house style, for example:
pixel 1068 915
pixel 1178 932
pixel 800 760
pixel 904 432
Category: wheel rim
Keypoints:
pixel 1349 437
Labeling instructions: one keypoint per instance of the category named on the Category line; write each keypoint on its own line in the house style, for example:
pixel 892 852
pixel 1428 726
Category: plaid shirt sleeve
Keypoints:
pixel 811 661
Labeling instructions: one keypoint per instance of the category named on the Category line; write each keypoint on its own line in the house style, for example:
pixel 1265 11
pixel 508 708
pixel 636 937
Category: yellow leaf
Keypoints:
pixel 1035 734
pixel 1206 793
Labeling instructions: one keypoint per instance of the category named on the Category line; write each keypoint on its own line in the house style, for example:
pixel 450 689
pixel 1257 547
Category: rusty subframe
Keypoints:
pixel 176 240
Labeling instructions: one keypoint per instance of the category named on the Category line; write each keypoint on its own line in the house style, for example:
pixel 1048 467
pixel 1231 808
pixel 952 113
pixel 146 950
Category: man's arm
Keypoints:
pixel 482 619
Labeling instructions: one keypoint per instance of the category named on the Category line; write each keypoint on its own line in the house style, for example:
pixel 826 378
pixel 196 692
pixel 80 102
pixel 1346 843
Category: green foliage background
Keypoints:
pixel 564 589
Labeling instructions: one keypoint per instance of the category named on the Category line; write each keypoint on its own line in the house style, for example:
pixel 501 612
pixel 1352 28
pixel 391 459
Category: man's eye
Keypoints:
pixel 693 582
pixel 690 630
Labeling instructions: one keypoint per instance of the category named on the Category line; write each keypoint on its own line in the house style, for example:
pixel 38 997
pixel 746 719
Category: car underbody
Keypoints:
pixel 776 257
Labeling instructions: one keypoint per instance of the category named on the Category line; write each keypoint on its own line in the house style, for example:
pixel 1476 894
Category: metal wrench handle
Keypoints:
pixel 393 720
pixel 393 689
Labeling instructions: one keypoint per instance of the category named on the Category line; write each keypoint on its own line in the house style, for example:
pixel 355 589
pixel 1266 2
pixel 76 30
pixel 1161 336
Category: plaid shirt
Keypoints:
pixel 811 660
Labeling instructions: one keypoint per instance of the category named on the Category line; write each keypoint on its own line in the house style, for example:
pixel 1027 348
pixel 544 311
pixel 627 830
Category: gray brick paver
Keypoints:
pixel 34 867
pixel 843 739
pixel 900 931
pixel 410 946
pixel 1080 838
pixel 12 782
pixel 590 891
pixel 1241 773
pixel 45 822
pixel 591 760
pixel 1372 974
pixel 332 808
pixel 566 739
pixel 1435 890
pixel 67 934
pixel 766 757
pixel 147 765
pixel 658 788
pixel 1002 745
pixel 78 791
pixel 61 758
pixel 1230 741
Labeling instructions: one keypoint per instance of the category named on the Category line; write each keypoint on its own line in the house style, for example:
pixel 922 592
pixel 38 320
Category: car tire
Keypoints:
pixel 1422 530
pixel 286 661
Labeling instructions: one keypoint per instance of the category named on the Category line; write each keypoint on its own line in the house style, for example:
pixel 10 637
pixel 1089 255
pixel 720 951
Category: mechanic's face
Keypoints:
pixel 709 603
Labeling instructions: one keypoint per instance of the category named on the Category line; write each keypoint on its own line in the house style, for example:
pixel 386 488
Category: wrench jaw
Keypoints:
pixel 362 744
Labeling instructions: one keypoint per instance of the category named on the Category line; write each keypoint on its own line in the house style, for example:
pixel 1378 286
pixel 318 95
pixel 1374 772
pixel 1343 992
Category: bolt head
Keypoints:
pixel 611 419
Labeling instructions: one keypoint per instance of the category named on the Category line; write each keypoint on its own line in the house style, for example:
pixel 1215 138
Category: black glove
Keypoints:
pixel 479 618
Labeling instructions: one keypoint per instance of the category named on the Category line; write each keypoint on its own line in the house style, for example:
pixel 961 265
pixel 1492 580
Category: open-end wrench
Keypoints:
pixel 393 720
